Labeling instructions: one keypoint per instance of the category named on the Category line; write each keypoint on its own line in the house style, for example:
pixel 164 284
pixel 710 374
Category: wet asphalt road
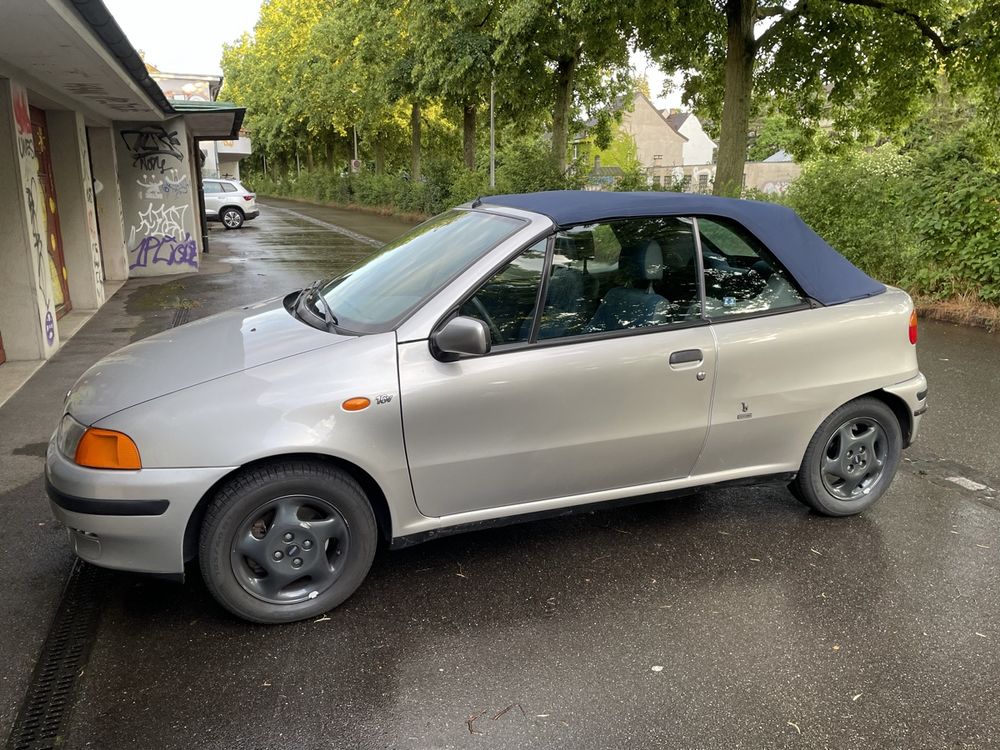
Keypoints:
pixel 733 619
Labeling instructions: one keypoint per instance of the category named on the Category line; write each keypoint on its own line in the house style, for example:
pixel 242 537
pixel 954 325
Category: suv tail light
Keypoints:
pixel 249 197
pixel 913 327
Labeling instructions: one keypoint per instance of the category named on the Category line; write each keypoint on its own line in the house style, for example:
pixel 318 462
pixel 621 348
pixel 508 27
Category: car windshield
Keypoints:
pixel 382 290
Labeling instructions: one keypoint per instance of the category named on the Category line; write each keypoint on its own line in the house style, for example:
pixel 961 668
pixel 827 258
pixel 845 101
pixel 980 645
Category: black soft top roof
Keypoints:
pixel 822 272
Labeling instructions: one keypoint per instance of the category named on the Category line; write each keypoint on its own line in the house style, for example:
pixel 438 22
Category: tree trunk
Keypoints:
pixel 379 155
pixel 741 49
pixel 309 157
pixel 469 135
pixel 565 70
pixel 330 151
pixel 415 142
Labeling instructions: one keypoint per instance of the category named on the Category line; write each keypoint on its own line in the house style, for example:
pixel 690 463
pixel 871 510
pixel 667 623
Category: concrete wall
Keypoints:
pixel 107 199
pixel 27 310
pixel 768 177
pixel 653 136
pixel 771 176
pixel 155 165
pixel 77 213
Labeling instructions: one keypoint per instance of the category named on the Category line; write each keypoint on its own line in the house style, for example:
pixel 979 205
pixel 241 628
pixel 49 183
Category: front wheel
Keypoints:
pixel 851 459
pixel 232 218
pixel 287 541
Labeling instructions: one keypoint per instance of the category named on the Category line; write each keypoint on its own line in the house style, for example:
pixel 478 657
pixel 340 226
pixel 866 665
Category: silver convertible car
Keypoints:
pixel 518 356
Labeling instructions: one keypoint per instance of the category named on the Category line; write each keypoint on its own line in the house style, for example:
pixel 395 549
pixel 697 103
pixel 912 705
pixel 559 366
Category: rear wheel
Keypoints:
pixel 232 218
pixel 851 459
pixel 287 541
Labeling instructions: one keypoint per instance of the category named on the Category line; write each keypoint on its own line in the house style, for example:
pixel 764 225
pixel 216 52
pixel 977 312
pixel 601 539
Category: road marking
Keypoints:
pixel 967 483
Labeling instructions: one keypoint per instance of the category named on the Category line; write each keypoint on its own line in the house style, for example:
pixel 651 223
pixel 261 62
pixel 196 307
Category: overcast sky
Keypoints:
pixel 189 37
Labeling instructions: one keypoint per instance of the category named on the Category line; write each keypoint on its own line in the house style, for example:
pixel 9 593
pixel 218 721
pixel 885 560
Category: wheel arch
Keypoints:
pixel 227 206
pixel 900 408
pixel 376 497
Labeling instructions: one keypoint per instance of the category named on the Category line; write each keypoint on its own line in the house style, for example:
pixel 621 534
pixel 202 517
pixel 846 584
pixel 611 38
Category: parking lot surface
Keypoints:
pixel 730 619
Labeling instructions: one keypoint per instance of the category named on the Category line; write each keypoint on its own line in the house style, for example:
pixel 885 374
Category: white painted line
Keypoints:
pixel 967 483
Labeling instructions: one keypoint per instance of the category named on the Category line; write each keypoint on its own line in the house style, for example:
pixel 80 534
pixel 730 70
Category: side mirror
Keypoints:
pixel 462 336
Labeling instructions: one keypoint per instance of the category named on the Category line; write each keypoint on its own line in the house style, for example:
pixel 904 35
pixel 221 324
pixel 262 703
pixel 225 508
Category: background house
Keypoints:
pixel 698 147
pixel 672 149
pixel 220 158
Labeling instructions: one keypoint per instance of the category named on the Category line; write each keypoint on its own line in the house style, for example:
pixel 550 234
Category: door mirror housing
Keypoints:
pixel 461 337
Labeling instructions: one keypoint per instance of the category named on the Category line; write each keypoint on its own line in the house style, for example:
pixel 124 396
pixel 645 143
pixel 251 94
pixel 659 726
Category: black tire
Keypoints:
pixel 232 218
pixel 247 584
pixel 871 461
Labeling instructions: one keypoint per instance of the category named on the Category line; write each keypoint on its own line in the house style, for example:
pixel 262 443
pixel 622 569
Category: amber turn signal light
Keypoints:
pixel 356 404
pixel 913 327
pixel 107 449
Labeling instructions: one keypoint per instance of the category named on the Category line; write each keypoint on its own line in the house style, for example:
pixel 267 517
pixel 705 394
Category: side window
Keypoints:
pixel 621 275
pixel 741 275
pixel 228 188
pixel 506 303
pixel 211 187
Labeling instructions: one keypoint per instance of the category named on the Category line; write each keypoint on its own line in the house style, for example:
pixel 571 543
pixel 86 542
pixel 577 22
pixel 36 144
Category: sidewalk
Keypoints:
pixel 272 255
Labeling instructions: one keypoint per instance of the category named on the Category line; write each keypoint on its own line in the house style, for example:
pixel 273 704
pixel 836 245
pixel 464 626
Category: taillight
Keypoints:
pixel 249 197
pixel 913 327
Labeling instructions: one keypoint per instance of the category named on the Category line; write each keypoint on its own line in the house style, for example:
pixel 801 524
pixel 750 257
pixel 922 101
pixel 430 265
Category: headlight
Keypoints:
pixel 97 448
pixel 70 433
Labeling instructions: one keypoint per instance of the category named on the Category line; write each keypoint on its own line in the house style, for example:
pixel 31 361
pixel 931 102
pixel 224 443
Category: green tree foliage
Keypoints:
pixel 926 217
pixel 864 64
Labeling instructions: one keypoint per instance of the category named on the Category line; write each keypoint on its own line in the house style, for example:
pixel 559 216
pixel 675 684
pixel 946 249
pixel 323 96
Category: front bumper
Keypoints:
pixel 914 393
pixel 127 520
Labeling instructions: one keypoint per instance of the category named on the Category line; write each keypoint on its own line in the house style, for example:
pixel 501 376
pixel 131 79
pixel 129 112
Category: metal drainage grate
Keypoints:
pixel 44 715
pixel 181 316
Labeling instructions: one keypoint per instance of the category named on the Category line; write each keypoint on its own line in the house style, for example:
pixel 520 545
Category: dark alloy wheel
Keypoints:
pixel 287 541
pixel 232 218
pixel 851 459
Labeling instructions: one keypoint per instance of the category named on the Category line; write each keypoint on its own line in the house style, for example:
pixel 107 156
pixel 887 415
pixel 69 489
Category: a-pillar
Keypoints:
pixel 76 209
pixel 27 314
pixel 107 196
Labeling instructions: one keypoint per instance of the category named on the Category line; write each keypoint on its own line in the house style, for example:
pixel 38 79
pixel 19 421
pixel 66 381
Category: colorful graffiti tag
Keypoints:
pixel 33 198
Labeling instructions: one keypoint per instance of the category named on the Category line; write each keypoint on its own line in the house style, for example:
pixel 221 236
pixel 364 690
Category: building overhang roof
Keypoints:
pixel 86 62
pixel 211 120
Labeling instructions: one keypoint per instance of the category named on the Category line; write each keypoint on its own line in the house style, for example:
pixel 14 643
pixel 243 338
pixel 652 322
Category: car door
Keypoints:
pixel 775 375
pixel 576 398
pixel 213 197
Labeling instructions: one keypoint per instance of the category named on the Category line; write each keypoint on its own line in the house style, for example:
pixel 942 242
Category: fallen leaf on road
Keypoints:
pixel 982 635
pixel 857 696
pixel 657 668
pixel 793 724
pixel 815 552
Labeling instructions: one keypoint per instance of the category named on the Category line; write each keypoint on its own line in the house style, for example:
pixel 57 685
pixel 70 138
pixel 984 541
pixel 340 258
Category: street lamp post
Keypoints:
pixel 493 149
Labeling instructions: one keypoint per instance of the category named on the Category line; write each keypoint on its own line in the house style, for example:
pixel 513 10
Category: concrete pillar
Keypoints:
pixel 75 206
pixel 111 225
pixel 27 313
pixel 158 188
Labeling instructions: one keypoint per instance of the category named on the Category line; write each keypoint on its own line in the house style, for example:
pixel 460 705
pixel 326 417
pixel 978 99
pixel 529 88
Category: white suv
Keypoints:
pixel 229 202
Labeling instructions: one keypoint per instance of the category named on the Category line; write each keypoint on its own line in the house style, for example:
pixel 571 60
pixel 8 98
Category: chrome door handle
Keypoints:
pixel 686 356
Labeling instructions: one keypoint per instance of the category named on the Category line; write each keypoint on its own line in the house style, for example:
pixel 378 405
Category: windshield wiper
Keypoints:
pixel 301 305
pixel 328 316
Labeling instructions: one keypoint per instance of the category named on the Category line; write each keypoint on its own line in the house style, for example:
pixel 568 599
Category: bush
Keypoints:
pixel 855 201
pixel 953 199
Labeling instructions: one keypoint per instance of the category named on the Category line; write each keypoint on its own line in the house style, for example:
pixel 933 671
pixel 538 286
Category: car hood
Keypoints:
pixel 191 354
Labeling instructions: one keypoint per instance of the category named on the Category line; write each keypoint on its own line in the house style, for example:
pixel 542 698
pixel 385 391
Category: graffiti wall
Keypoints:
pixel 34 209
pixel 158 202
pixel 93 240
